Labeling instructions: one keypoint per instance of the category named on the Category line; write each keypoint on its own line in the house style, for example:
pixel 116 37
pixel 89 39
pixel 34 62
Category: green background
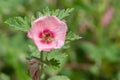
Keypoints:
pixel 94 57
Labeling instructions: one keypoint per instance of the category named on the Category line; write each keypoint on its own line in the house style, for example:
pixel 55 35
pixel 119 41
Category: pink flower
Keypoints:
pixel 107 17
pixel 48 33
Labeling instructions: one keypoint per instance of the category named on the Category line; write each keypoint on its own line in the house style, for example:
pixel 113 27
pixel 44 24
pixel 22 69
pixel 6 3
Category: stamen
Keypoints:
pixel 46 36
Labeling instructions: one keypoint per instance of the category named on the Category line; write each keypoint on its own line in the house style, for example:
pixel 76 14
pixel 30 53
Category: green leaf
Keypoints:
pixel 58 57
pixel 59 78
pixel 61 14
pixel 33 52
pixel 47 11
pixel 53 62
pixel 64 13
pixel 24 24
pixel 19 23
pixel 72 36
pixel 66 46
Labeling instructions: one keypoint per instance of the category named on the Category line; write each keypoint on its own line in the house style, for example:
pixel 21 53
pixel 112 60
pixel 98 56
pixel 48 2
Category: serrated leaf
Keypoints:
pixel 66 46
pixel 55 12
pixel 23 24
pixel 53 53
pixel 47 11
pixel 64 13
pixel 60 57
pixel 54 62
pixel 58 13
pixel 19 23
pixel 59 78
pixel 72 36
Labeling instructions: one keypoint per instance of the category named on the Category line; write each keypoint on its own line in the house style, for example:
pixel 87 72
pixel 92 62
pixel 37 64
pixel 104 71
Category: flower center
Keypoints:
pixel 46 36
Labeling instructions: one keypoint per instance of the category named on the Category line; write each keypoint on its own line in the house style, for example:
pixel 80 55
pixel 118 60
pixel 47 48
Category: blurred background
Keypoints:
pixel 94 57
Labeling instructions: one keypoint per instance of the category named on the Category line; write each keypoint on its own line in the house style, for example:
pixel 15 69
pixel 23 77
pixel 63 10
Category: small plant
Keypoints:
pixel 49 33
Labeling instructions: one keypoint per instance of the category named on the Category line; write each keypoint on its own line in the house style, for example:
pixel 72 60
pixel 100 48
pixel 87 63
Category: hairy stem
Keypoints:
pixel 41 64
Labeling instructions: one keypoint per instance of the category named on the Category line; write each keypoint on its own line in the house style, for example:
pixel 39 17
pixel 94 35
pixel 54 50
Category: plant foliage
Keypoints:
pixel 24 24
pixel 19 23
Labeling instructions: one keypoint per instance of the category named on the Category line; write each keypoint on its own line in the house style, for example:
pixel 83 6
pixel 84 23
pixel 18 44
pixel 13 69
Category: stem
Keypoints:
pixel 41 64
pixel 41 61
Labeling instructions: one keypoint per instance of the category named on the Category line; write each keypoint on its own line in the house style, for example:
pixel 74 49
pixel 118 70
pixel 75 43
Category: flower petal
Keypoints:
pixel 53 24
